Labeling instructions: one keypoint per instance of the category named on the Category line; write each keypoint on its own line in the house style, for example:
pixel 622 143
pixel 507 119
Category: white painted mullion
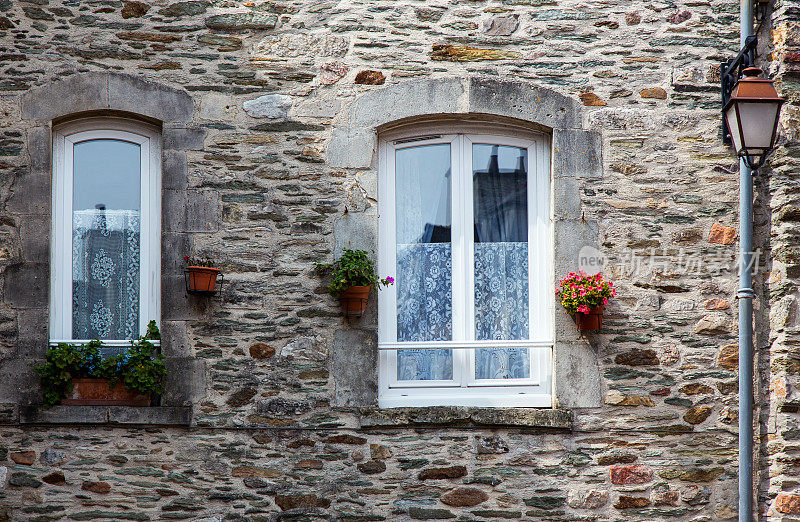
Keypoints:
pixel 66 238
pixel 546 220
pixel 458 259
pixel 145 247
pixel 468 220
pixel 387 262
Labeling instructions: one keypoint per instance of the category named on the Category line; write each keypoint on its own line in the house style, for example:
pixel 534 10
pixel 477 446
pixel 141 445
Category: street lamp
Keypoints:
pixel 752 113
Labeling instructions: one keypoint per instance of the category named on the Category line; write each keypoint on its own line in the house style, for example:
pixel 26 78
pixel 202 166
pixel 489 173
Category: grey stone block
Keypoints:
pixel 524 101
pixel 174 170
pixel 33 326
pixel 174 247
pixel 183 138
pixel 577 376
pixel 74 94
pixel 34 232
pixel 352 148
pixel 174 339
pixel 173 210
pixel 354 368
pixel 26 285
pixel 139 96
pixel 566 198
pixel 566 331
pixel 30 193
pixel 147 416
pixel 152 416
pixel 570 236
pixel 185 382
pixel 177 305
pixel 408 99
pixel 18 380
pixel 40 146
pixel 577 154
pixel 64 415
pixel 203 210
pixel 356 231
pixel 192 210
pixel 97 91
pixel 460 415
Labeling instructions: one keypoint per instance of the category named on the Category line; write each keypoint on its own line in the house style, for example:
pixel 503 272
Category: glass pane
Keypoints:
pixel 502 363
pixel 500 198
pixel 424 261
pixel 105 239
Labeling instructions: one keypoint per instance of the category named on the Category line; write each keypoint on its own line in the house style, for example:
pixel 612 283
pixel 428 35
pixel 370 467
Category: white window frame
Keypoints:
pixel 65 137
pixel 464 389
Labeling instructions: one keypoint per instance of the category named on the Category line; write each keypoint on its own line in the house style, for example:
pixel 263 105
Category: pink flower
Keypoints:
pixel 583 308
pixel 605 301
pixel 390 279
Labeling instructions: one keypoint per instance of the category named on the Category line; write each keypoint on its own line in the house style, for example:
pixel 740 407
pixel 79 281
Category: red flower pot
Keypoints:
pixel 591 320
pixel 99 392
pixel 202 278
pixel 354 299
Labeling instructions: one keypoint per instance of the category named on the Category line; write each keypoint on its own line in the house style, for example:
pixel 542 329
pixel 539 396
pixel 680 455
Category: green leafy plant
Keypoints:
pixel 141 368
pixel 579 292
pixel 353 268
pixel 65 362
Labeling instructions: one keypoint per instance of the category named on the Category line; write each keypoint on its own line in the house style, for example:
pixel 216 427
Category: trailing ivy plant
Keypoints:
pixel 140 368
pixel 353 268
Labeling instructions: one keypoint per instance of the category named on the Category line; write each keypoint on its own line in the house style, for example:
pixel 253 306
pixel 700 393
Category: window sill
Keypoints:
pixel 457 415
pixel 126 415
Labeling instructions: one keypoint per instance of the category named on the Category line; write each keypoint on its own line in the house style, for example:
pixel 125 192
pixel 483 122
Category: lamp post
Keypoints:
pixel 751 109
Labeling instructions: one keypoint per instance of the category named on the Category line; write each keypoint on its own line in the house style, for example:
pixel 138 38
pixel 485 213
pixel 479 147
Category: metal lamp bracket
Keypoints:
pixel 731 71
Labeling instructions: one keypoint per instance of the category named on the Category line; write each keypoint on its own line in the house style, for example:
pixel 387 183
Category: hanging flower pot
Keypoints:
pixel 202 278
pixel 584 297
pixel 591 320
pixel 352 277
pixel 354 300
pixel 99 392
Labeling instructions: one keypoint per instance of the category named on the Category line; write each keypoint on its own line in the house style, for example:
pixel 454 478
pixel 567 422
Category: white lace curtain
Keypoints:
pixel 105 274
pixel 424 309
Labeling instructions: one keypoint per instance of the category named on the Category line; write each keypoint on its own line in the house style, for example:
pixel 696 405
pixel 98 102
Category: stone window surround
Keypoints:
pixel 185 212
pixel 576 158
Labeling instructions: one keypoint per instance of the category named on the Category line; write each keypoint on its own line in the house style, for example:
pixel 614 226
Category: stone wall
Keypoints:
pixel 269 81
pixel 776 221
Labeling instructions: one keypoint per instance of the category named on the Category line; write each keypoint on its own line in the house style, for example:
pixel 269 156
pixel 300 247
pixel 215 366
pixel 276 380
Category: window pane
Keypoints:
pixel 424 261
pixel 105 239
pixel 500 197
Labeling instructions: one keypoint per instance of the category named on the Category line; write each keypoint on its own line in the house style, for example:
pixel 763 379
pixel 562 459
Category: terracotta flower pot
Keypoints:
pixel 98 392
pixel 202 278
pixel 354 299
pixel 591 320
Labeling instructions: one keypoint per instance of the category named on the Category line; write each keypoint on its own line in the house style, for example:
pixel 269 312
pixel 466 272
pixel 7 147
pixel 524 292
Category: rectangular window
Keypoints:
pixel 105 256
pixel 465 230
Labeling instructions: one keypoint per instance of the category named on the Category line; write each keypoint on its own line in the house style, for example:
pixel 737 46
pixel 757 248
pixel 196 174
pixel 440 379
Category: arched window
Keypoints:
pixel 106 230
pixel 465 229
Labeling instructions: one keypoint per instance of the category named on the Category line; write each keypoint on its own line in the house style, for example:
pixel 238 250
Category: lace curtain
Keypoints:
pixel 105 274
pixel 501 308
pixel 424 309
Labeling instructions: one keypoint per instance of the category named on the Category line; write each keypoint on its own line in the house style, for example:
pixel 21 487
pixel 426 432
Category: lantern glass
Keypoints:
pixel 758 124
pixel 732 117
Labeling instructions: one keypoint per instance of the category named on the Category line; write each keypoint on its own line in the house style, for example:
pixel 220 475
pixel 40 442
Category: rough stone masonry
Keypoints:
pixel 254 426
